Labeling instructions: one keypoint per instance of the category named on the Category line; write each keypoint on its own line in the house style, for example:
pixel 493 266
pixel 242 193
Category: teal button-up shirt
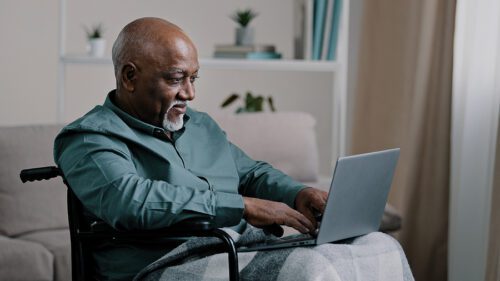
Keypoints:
pixel 129 174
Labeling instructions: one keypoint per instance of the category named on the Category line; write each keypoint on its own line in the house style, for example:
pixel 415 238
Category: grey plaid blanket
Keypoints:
pixel 375 256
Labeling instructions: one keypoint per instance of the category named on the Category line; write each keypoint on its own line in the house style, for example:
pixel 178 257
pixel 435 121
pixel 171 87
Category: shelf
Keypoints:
pixel 231 64
pixel 83 59
pixel 272 65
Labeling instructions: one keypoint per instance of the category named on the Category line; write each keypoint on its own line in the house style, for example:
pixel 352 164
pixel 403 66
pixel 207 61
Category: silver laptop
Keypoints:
pixel 356 202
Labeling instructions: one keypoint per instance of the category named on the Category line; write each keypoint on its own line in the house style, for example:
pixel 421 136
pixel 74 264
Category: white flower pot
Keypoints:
pixel 244 36
pixel 97 47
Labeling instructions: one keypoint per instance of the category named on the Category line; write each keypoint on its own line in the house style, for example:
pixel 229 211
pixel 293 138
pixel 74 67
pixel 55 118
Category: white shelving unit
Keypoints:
pixel 233 64
pixel 338 70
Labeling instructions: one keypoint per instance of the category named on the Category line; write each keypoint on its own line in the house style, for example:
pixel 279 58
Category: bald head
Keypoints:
pixel 156 65
pixel 146 39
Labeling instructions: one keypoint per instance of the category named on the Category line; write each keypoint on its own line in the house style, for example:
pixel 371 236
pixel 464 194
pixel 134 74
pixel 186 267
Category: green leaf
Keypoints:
pixel 94 32
pixel 271 103
pixel 251 103
pixel 259 101
pixel 230 100
pixel 249 100
pixel 243 17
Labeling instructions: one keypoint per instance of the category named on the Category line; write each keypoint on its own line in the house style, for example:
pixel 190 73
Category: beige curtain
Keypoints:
pixel 493 266
pixel 403 99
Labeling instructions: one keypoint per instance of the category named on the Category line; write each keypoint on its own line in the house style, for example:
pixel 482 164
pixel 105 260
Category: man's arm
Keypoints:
pixel 271 197
pixel 261 180
pixel 101 173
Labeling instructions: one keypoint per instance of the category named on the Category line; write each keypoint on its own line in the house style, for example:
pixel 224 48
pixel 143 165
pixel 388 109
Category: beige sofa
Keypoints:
pixel 34 236
pixel 34 239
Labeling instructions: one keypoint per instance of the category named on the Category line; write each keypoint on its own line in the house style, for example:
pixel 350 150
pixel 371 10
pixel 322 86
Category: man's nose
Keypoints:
pixel 187 90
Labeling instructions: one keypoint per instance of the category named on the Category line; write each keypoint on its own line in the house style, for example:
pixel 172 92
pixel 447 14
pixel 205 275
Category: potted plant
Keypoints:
pixel 251 103
pixel 244 33
pixel 96 44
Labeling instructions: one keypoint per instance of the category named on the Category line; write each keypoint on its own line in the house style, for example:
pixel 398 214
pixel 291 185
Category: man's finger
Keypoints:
pixel 308 221
pixel 298 221
pixel 308 213
pixel 320 206
pixel 319 202
pixel 304 221
pixel 298 225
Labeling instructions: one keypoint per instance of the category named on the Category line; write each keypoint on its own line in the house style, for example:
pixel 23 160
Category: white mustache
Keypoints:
pixel 177 102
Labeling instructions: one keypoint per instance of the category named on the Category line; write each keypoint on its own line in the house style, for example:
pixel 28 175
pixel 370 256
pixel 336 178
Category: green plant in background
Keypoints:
pixel 243 17
pixel 94 32
pixel 251 104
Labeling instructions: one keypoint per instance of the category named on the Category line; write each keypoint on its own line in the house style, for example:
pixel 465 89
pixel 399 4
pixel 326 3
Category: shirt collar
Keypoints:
pixel 136 123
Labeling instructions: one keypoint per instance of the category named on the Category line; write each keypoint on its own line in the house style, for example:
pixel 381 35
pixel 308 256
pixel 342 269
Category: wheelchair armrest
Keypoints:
pixel 38 174
pixel 191 227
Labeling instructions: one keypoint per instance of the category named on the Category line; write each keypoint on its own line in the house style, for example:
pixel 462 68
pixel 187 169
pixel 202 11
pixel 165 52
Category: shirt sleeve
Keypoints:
pixel 102 174
pixel 259 179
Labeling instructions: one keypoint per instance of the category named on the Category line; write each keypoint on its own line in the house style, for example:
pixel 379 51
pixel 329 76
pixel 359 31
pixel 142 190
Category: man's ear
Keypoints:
pixel 129 76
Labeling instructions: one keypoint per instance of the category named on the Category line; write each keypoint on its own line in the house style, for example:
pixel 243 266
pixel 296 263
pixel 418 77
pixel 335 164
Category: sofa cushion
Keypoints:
pixel 59 245
pixel 286 140
pixel 24 261
pixel 35 205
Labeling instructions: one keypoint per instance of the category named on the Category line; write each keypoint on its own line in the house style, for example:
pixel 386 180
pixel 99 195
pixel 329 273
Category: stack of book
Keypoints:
pixel 317 29
pixel 246 52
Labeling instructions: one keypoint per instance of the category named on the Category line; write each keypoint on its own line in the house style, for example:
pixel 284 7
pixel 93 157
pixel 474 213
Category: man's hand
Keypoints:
pixel 310 202
pixel 259 212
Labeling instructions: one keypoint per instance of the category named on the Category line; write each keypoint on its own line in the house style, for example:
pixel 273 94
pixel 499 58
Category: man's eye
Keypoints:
pixel 193 78
pixel 179 80
pixel 176 80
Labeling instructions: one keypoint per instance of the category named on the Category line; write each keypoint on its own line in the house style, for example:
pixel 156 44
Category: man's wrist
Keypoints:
pixel 229 208
pixel 297 197
pixel 245 207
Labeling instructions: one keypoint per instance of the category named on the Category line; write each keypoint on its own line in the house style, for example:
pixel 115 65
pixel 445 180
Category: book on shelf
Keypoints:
pixel 309 23
pixel 227 48
pixel 248 55
pixel 303 28
pixel 327 29
pixel 256 51
pixel 316 29
pixel 334 31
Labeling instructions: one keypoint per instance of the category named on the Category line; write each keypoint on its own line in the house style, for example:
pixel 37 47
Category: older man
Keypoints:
pixel 145 160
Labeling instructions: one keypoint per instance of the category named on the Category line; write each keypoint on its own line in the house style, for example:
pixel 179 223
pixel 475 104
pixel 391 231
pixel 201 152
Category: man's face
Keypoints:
pixel 165 83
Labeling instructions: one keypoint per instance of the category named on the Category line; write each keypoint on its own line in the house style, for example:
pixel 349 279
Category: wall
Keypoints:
pixel 29 61
pixel 28 80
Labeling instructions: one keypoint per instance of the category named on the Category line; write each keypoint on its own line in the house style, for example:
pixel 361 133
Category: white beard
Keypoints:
pixel 173 125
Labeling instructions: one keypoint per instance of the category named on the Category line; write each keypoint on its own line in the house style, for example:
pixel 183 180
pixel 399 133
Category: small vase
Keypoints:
pixel 244 36
pixel 96 47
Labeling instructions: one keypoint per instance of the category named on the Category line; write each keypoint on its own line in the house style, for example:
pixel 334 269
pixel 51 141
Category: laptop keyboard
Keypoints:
pixel 290 238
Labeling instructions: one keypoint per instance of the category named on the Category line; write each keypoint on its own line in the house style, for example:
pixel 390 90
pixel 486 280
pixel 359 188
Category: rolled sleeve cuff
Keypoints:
pixel 291 193
pixel 229 208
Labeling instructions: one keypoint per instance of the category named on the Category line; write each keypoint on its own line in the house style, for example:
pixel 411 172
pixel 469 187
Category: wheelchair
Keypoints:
pixel 84 233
